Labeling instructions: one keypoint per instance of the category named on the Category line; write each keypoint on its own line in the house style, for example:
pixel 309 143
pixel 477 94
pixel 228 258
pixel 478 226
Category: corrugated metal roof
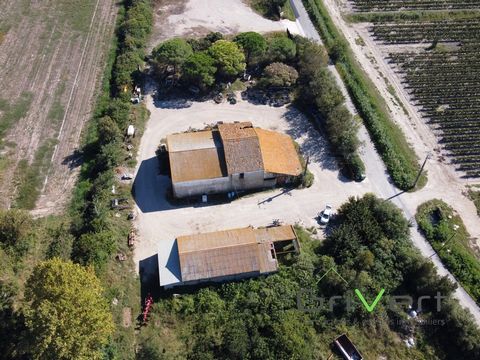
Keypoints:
pixel 224 253
pixel 278 153
pixel 196 156
pixel 197 165
pixel 193 141
pixel 275 233
pixel 216 239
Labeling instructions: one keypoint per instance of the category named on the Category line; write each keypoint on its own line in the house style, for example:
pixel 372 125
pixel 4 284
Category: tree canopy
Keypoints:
pixel 228 57
pixel 67 315
pixel 252 43
pixel 14 226
pixel 200 69
pixel 281 49
pixel 172 52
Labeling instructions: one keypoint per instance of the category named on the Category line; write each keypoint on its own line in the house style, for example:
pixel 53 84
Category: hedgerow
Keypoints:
pixel 97 234
pixel 390 142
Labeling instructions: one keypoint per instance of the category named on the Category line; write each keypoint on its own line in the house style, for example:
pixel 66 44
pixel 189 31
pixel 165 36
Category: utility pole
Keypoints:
pixel 306 166
pixel 455 227
pixel 421 169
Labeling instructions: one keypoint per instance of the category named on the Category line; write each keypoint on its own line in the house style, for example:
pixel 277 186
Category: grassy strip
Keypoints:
pixel 30 177
pixel 390 142
pixel 474 195
pixel 288 11
pixel 388 16
pixel 438 221
pixel 13 112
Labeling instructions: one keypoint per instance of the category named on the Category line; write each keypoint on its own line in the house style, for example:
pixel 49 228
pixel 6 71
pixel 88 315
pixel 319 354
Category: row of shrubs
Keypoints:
pixel 448 236
pixel 318 89
pixel 399 158
pixel 96 232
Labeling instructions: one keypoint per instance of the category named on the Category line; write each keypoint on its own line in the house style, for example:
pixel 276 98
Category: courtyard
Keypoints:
pixel 159 222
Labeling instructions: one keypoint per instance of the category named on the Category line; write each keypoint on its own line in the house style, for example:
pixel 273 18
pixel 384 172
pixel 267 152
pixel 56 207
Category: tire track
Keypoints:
pixel 61 178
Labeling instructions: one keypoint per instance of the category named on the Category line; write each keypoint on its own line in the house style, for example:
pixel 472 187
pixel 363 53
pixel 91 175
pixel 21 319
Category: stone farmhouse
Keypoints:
pixel 230 158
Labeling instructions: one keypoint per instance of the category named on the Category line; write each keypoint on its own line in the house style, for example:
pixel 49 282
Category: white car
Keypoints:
pixel 325 215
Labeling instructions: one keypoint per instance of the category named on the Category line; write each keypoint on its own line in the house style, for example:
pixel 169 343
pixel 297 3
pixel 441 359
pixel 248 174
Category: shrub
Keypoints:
pixel 279 74
pixel 281 49
pixel 437 221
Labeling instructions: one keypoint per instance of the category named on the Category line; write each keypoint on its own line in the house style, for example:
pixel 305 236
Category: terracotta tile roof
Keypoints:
pixel 233 149
pixel 278 153
pixel 235 131
pixel 241 147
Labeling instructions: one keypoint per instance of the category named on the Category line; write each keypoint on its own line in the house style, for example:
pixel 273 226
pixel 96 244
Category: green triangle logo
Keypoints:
pixel 364 302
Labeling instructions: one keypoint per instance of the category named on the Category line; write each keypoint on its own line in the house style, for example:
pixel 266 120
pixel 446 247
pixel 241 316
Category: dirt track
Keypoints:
pixel 54 50
pixel 444 182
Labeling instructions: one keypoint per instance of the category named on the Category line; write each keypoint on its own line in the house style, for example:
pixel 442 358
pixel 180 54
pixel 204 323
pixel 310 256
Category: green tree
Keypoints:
pixel 293 337
pixel 172 52
pixel 94 248
pixel 311 58
pixel 253 44
pixel 269 8
pixel 342 130
pixel 67 315
pixel 281 49
pixel 108 130
pixel 228 57
pixel 323 90
pixel 200 69
pixel 279 74
pixel 14 226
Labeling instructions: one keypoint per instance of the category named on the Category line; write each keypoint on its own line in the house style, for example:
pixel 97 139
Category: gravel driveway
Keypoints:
pixel 159 223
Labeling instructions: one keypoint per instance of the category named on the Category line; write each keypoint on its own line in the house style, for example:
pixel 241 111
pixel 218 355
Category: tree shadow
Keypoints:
pixel 311 139
pixel 73 160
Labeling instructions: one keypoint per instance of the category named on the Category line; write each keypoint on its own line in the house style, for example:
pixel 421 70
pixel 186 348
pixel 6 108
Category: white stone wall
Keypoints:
pixel 200 187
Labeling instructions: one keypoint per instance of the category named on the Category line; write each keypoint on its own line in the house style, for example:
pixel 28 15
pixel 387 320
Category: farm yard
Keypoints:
pixel 435 57
pixel 51 59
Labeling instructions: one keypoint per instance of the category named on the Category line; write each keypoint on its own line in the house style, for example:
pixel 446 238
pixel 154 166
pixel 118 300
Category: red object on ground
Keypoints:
pixel 148 305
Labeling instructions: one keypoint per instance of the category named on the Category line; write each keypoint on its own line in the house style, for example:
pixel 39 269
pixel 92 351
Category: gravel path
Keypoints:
pixel 442 180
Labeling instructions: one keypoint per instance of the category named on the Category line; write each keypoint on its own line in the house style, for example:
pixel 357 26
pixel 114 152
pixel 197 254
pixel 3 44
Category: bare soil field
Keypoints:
pixel 175 18
pixel 51 60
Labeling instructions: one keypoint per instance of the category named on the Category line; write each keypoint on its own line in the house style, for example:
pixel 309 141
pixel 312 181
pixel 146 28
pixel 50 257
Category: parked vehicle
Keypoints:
pixel 127 176
pixel 325 215
pixel 218 98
